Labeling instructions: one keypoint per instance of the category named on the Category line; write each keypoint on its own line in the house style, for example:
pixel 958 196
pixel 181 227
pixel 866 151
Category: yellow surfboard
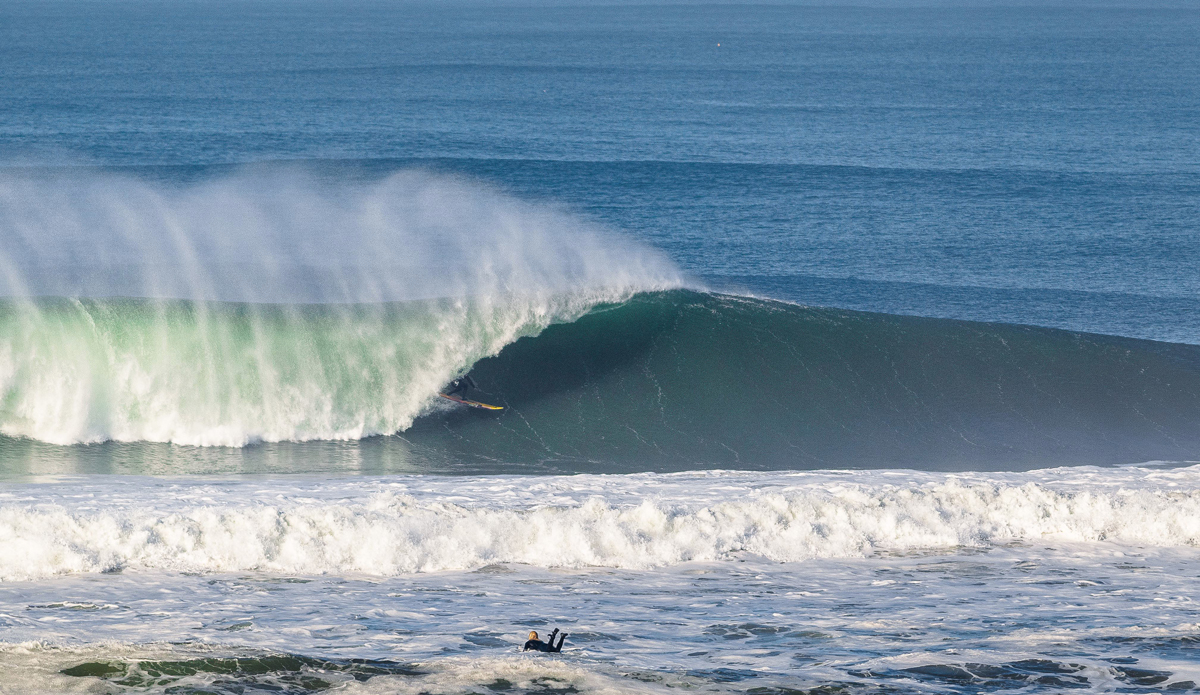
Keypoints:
pixel 471 404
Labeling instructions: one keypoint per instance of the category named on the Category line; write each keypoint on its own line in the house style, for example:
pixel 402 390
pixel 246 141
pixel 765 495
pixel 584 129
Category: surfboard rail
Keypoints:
pixel 471 404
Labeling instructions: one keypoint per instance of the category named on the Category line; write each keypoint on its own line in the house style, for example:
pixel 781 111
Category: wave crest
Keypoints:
pixel 275 305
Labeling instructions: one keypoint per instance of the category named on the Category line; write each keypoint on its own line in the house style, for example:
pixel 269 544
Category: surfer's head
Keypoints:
pixel 532 635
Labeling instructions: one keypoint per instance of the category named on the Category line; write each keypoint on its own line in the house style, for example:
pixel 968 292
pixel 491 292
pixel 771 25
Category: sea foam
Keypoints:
pixel 410 525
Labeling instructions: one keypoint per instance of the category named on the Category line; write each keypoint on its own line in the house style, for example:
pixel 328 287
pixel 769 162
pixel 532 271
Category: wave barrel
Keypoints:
pixel 669 380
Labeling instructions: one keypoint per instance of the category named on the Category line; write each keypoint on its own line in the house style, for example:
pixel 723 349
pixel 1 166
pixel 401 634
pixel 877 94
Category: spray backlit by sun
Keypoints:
pixel 271 306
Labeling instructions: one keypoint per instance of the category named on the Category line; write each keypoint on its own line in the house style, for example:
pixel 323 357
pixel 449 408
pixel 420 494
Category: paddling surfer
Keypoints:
pixel 535 644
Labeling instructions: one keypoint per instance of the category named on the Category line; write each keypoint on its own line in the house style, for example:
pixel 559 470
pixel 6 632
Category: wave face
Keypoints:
pixel 414 525
pixel 670 379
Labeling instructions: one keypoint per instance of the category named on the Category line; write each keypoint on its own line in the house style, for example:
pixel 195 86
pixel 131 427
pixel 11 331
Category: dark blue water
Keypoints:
pixel 1032 165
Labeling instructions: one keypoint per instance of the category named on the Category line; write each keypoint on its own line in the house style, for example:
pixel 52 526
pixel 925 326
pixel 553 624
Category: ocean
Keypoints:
pixel 843 348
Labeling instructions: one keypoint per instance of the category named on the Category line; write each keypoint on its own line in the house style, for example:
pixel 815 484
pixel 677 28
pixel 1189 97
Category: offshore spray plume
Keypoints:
pixel 270 305
pixel 283 236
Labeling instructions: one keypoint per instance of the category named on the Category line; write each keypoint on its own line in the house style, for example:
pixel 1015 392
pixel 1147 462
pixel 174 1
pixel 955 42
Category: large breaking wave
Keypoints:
pixel 269 306
pixel 593 381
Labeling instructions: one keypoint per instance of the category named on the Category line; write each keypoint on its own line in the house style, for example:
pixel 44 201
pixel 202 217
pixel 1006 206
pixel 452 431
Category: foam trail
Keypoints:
pixel 275 306
pixel 409 525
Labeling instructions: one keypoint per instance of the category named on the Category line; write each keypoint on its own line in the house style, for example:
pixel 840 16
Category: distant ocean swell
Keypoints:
pixel 389 532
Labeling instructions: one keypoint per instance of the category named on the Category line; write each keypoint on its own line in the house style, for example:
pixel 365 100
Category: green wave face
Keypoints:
pixel 676 380
pixel 75 371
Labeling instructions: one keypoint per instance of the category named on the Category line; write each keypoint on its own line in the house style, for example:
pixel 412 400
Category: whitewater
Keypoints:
pixel 395 526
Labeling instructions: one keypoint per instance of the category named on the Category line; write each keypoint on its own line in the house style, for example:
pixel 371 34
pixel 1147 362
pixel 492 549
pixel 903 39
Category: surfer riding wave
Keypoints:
pixel 458 393
pixel 460 385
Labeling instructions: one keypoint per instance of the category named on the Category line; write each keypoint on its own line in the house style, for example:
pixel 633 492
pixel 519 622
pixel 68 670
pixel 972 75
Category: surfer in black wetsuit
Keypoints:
pixel 537 645
pixel 461 384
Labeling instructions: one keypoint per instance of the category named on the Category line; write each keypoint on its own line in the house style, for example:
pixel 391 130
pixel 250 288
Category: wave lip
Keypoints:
pixel 390 532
